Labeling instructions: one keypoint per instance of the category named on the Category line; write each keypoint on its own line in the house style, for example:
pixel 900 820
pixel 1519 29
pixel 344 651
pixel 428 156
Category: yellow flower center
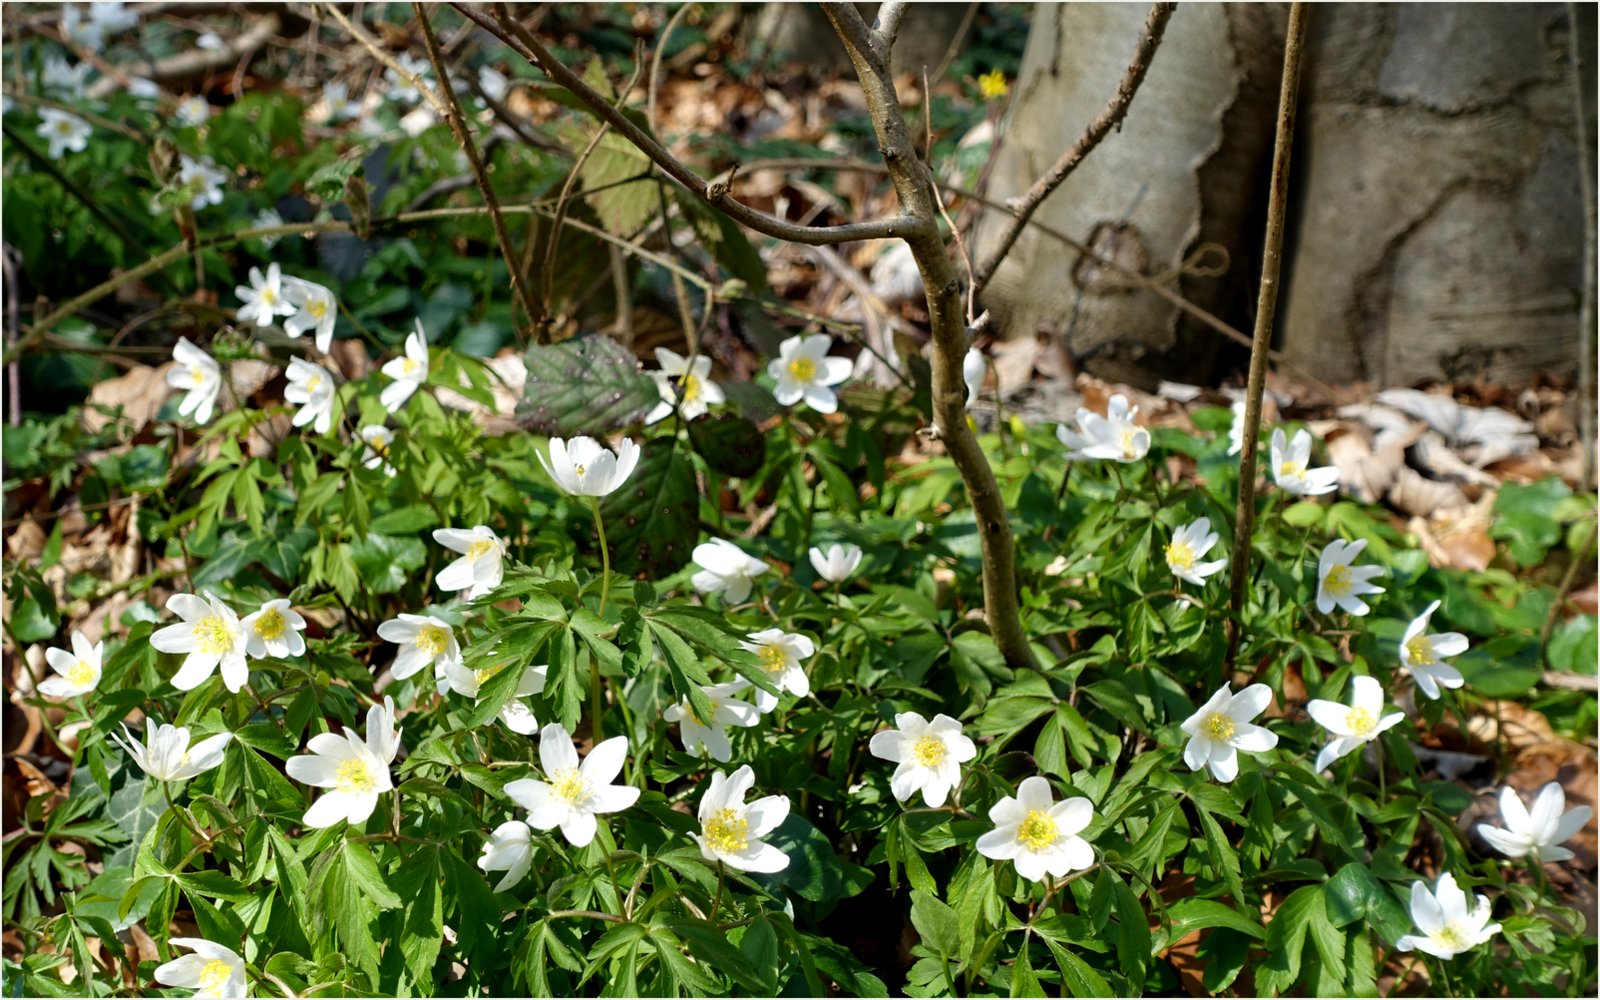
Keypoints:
pixel 1337 582
pixel 214 635
pixel 1359 721
pixel 1180 555
pixel 198 373
pixel 727 832
pixel 270 625
pixel 313 382
pixel 580 470
pixel 1452 936
pixel 1291 470
pixel 269 296
pixel 570 785
pixel 379 446
pixel 773 659
pixel 1218 727
pixel 64 127
pixel 1420 650
pixel 803 369
pixel 1037 831
pixel 408 365
pixel 213 975
pixel 488 672
pixel 432 639
pixel 1129 450
pixel 690 386
pixel 317 308
pixel 80 674
pixel 929 750
pixel 477 550
pixel 354 775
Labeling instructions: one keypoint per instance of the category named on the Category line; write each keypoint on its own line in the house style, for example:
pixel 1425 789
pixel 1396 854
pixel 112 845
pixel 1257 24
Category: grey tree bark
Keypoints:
pixel 800 31
pixel 1439 224
pixel 1188 168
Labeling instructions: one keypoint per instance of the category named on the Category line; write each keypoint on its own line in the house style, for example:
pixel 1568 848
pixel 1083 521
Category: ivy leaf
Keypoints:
pixel 587 385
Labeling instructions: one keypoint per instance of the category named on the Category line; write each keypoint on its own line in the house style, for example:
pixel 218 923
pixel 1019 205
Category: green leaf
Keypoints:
pixel 1023 981
pixel 729 443
pixel 1526 518
pixel 364 875
pixel 936 924
pixel 386 562
pixel 1286 936
pixel 405 520
pixel 1355 894
pixel 1223 857
pixel 1080 979
pixel 650 521
pixel 814 871
pixel 1193 914
pixel 213 885
pixel 587 385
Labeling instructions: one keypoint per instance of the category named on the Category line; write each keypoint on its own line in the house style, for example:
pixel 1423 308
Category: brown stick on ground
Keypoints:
pixel 1266 305
pixel 913 182
pixel 1109 118
pixel 458 125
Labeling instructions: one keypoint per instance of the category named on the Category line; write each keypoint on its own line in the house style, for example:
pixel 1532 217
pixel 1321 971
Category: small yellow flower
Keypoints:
pixel 992 85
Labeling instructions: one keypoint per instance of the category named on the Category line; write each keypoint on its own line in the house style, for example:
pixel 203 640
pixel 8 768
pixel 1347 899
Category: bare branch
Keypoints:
pixel 503 27
pixel 458 125
pixel 915 186
pixel 197 62
pixel 1109 118
pixel 887 26
pixel 382 55
pixel 1266 305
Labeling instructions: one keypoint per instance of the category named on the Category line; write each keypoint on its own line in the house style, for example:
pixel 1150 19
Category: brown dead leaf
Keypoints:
pixel 1508 725
pixel 138 395
pixel 1415 494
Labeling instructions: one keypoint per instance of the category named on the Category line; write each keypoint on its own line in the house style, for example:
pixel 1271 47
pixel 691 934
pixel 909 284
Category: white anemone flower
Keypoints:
pixel 1188 544
pixel 1290 466
pixel 574 794
pixel 838 564
pixel 193 110
pixel 1354 725
pixel 63 131
pixel 711 735
pixel 1115 436
pixel 79 670
pixel 1341 584
pixel 1236 429
pixel 805 372
pixel 213 970
pixel 453 675
pixel 509 849
pixel 780 654
pixel 481 566
pixel 274 631
pixel 378 440
pixel 311 388
pixel 930 755
pixel 354 770
pixel 1538 833
pixel 263 298
pixel 583 467
pixel 315 310
pixel 409 371
pixel 211 636
pixel 973 368
pixel 1222 727
pixel 725 569
pixel 203 180
pixel 731 831
pixel 199 375
pixel 676 376
pixel 167 756
pixel 1038 834
pixel 64 79
pixel 1447 926
pixel 401 90
pixel 424 641
pixel 1424 654
pixel 493 83
pixel 337 103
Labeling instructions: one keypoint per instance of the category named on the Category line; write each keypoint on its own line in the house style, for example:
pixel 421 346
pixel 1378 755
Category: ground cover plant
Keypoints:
pixel 754 671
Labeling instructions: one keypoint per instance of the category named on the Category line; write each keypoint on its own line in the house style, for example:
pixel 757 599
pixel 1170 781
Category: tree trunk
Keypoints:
pixel 1188 168
pixel 1439 230
pixel 801 31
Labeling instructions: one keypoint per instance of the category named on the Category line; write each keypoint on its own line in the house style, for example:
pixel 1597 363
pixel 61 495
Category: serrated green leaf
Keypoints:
pixel 651 521
pixel 588 385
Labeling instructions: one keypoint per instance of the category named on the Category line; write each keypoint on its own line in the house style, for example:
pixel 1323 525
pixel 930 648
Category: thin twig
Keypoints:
pixel 458 124
pixel 1266 306
pixel 502 26
pixel 378 52
pixel 1580 559
pixel 655 64
pixel 1586 304
pixel 1109 118
pixel 914 184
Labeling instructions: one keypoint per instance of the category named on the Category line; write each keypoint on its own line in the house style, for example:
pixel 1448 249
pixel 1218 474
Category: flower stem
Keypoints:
pixel 596 701
pixel 722 875
pixel 605 555
pixel 183 814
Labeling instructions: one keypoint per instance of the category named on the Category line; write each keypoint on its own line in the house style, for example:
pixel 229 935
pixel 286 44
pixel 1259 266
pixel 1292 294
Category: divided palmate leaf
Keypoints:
pixel 587 385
